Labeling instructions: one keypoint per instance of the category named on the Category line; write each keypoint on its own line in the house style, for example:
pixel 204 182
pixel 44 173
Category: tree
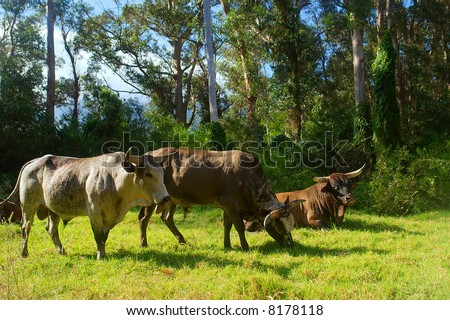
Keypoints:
pixel 72 15
pixel 154 47
pixel 295 55
pixel 51 76
pixel 22 59
pixel 386 116
pixel 244 52
pixel 210 60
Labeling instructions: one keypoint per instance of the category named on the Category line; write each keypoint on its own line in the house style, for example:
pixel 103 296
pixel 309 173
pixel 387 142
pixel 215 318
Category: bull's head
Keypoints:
pixel 280 222
pixel 340 185
pixel 148 175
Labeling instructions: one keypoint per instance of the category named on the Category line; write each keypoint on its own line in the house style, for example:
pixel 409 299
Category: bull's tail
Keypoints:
pixel 16 187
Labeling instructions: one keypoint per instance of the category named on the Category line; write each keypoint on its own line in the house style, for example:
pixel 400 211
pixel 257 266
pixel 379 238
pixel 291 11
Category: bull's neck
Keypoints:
pixel 264 196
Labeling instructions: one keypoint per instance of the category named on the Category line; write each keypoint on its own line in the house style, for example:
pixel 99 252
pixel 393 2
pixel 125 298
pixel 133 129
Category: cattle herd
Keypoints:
pixel 106 187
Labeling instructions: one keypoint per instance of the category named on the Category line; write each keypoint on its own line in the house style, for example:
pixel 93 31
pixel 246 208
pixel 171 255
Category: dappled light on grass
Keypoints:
pixel 369 257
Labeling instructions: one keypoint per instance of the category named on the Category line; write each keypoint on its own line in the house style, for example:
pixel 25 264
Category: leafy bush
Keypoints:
pixel 7 182
pixel 405 183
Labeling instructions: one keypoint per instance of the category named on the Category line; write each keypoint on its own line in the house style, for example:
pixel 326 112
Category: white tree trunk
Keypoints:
pixel 210 59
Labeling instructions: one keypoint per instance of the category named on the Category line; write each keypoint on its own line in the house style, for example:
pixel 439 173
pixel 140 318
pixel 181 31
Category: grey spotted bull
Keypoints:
pixel 103 188
pixel 326 201
pixel 231 180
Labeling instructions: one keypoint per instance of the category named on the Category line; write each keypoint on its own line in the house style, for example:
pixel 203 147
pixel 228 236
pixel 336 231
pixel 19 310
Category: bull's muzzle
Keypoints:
pixel 278 233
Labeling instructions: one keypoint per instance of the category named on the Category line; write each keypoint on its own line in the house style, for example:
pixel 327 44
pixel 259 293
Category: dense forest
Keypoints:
pixel 311 87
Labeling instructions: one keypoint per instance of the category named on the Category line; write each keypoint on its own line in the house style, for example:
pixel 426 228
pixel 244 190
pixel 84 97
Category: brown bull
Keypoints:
pixel 231 180
pixel 10 212
pixel 325 201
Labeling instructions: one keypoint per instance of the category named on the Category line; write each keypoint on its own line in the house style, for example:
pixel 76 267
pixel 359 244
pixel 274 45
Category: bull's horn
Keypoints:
pixel 131 158
pixel 270 217
pixel 354 174
pixel 128 153
pixel 322 179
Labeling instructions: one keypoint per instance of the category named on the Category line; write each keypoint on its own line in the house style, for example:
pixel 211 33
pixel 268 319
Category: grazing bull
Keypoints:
pixel 232 180
pixel 326 200
pixel 10 212
pixel 104 188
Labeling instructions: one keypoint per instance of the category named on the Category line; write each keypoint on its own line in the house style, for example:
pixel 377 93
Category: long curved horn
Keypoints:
pixel 137 160
pixel 322 179
pixel 270 217
pixel 354 174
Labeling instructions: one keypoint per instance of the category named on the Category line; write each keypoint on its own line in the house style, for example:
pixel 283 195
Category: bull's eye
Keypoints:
pixel 148 175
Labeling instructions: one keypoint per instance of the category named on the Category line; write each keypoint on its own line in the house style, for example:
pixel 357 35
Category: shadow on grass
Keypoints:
pixel 175 260
pixel 356 224
pixel 298 249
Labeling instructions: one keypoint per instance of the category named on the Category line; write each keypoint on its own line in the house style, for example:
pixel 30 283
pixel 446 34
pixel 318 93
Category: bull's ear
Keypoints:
pixel 286 201
pixel 326 188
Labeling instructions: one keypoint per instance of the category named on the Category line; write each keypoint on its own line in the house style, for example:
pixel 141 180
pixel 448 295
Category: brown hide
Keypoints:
pixel 325 201
pixel 317 210
pixel 231 180
pixel 10 212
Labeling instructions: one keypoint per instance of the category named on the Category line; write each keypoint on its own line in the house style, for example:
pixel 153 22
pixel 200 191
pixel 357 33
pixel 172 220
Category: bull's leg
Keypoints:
pixel 52 229
pixel 100 238
pixel 167 217
pixel 27 222
pixel 319 224
pixel 238 223
pixel 226 228
pixel 144 216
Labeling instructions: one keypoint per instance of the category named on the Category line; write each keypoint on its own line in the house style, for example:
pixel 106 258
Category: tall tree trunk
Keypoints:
pixel 51 78
pixel 210 59
pixel 180 110
pixel 381 18
pixel 75 75
pixel 251 99
pixel 358 66
pixel 400 86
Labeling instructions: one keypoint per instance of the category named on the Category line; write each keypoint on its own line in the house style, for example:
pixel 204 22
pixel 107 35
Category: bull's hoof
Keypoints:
pixel 24 254
pixel 101 256
pixel 181 240
pixel 287 244
pixel 144 244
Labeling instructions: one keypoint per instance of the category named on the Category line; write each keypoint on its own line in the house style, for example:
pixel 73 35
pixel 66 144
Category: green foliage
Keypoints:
pixel 215 136
pixel 165 131
pixel 386 120
pixel 404 182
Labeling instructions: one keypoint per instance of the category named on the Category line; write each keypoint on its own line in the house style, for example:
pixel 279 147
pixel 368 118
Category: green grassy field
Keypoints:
pixel 370 257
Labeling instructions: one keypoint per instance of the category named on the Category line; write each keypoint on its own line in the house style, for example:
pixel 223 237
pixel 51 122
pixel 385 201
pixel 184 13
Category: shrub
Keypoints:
pixel 404 182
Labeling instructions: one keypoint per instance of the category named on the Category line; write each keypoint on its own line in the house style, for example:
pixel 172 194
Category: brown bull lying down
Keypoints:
pixel 232 180
pixel 104 188
pixel 10 212
pixel 326 200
